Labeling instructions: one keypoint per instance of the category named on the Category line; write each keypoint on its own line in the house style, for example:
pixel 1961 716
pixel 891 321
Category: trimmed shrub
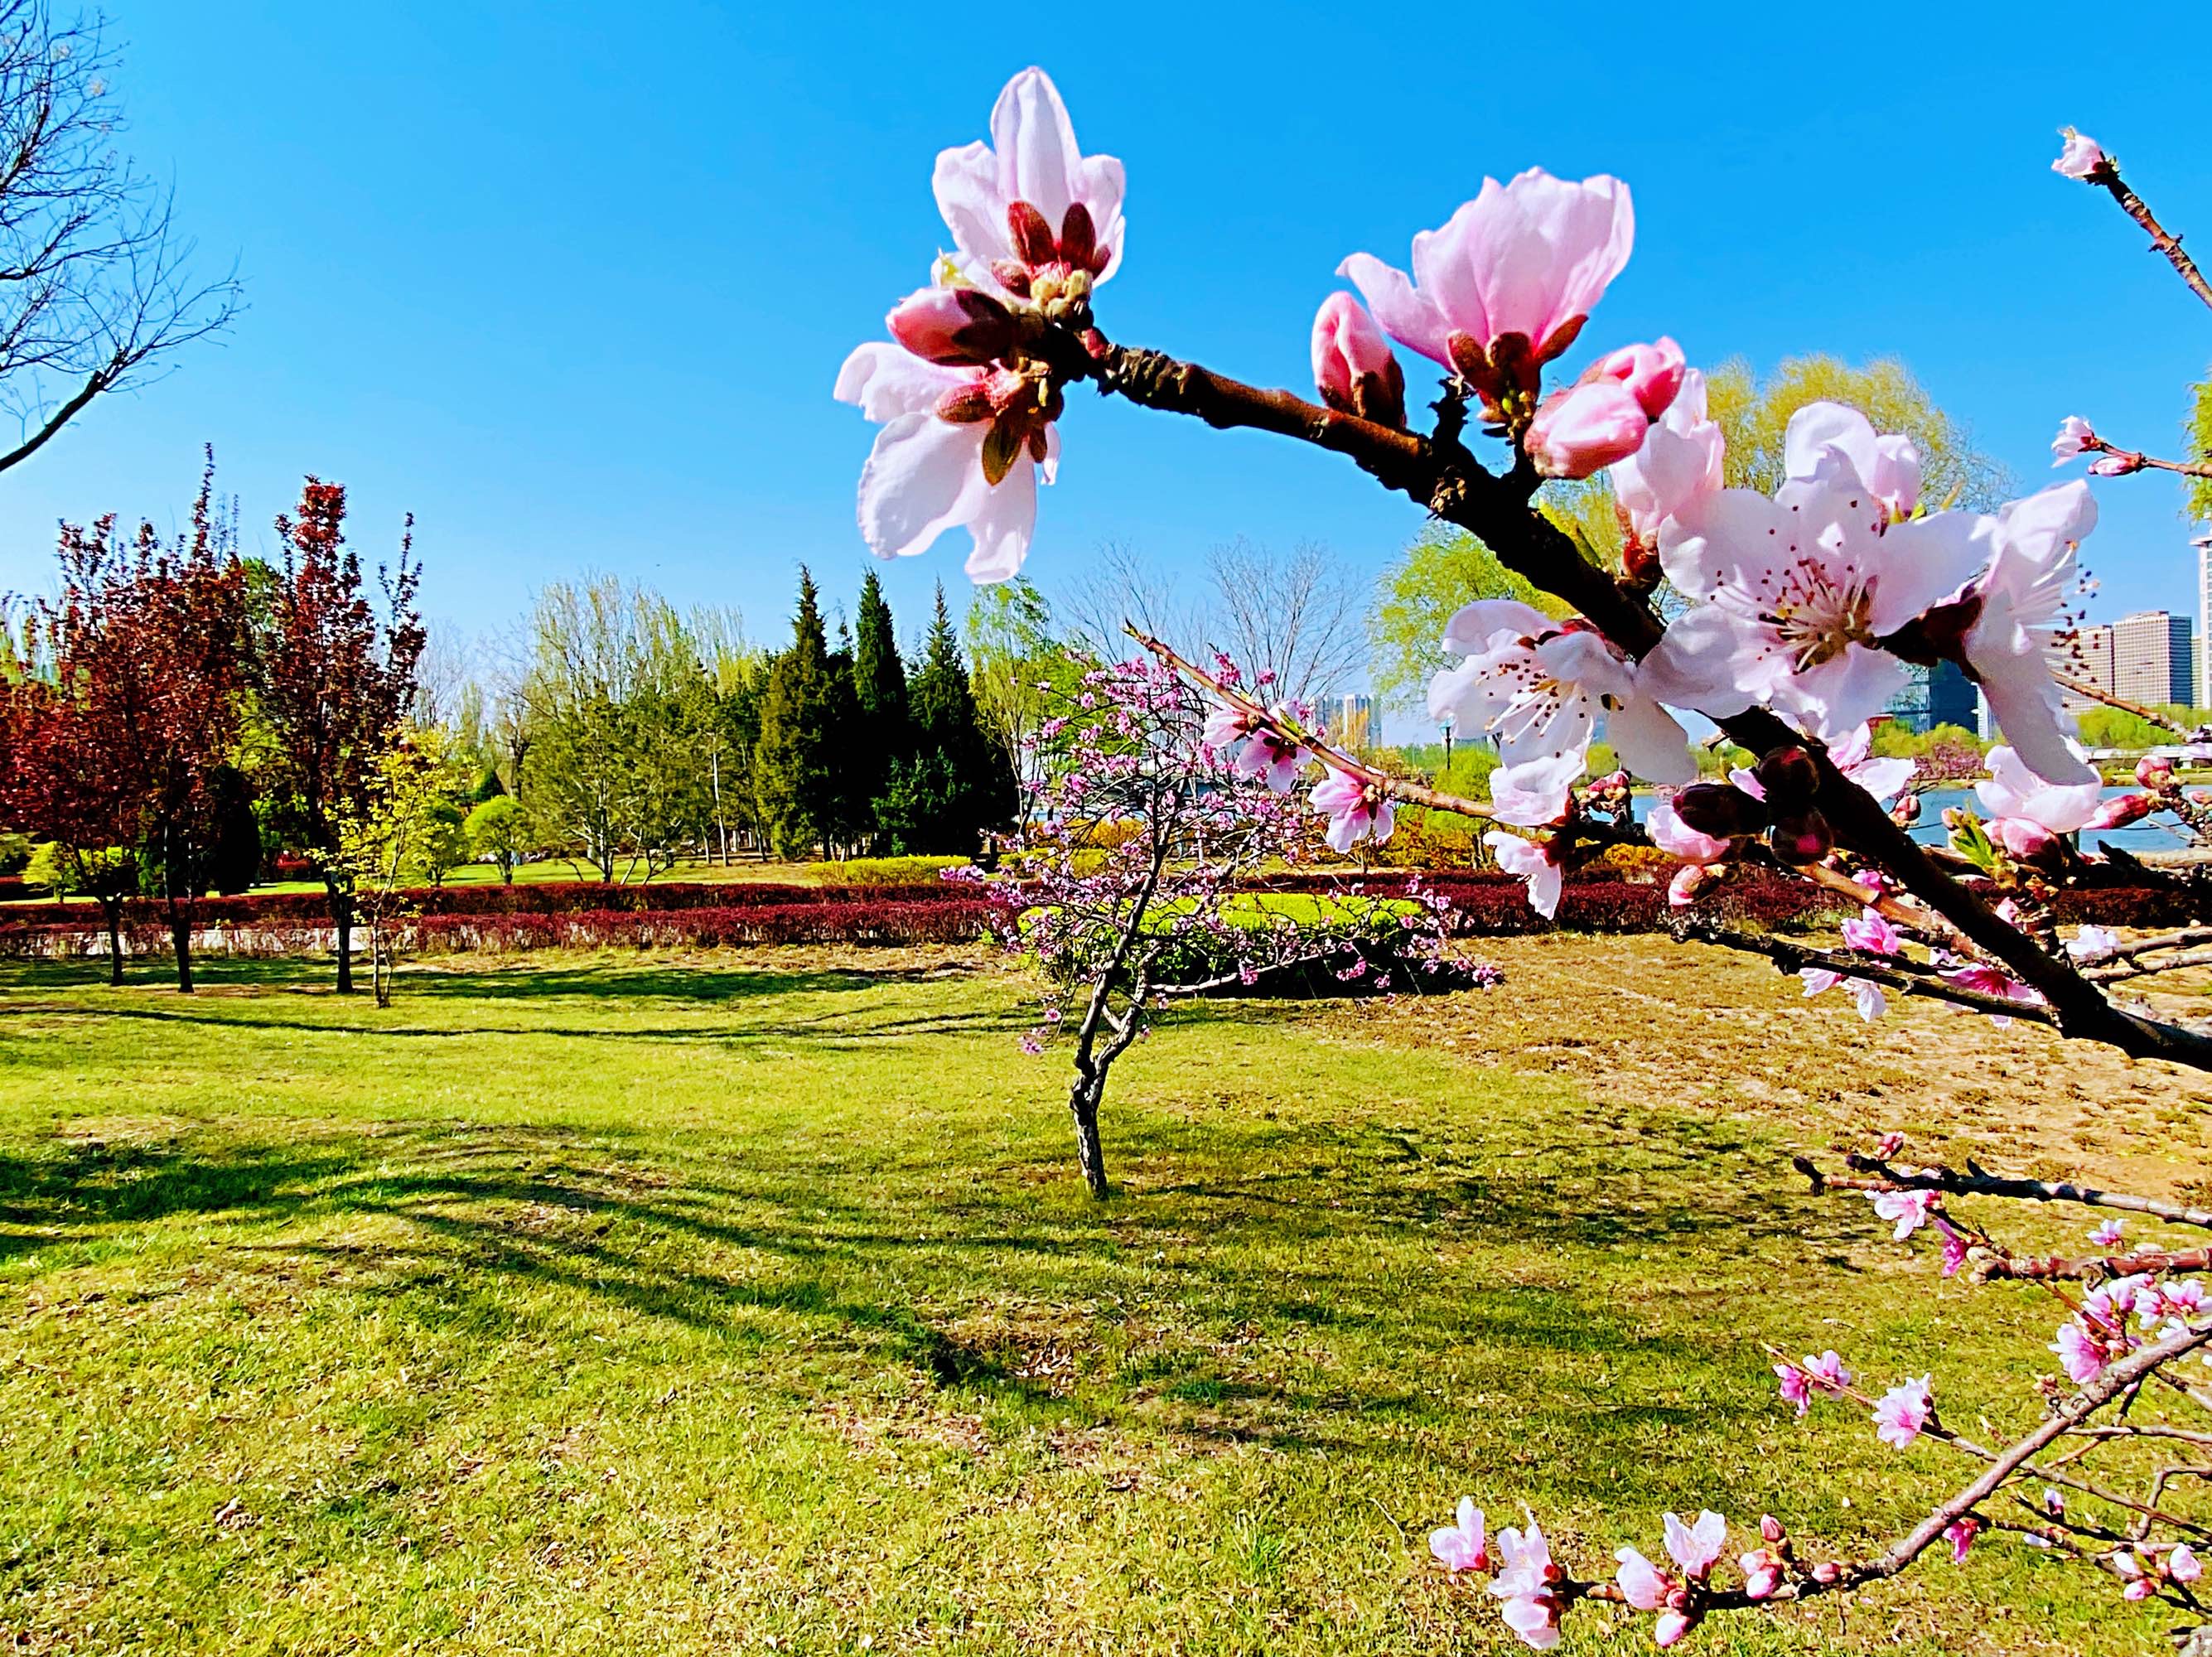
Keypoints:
pixel 876 873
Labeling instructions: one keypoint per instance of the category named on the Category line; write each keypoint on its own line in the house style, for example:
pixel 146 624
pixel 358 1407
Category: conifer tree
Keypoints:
pixel 793 769
pixel 959 782
pixel 883 737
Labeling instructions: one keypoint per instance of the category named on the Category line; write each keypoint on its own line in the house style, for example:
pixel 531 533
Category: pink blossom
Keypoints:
pixel 1671 1627
pixel 1356 808
pixel 1252 749
pixel 1029 211
pixel 1642 1584
pixel 1961 1533
pixel 943 428
pixel 1677 839
pixel 2080 1354
pixel 2091 944
pixel 1585 429
pixel 1872 1003
pixel 1696 1547
pixel 1799 1380
pixel 1901 1412
pixel 1679 461
pixel 2012 790
pixel 1762 1573
pixel 1355 369
pixel 1535 793
pixel 2075 437
pixel 1889 463
pixel 1537 686
pixel 1532 861
pixel 2154 772
pixel 1460 1547
pixel 1689 880
pixel 2182 1563
pixel 1955 1246
pixel 2080 158
pixel 1506 284
pixel 2018 611
pixel 2108 1234
pixel 1907 1209
pixel 1986 979
pixel 1525 1583
pixel 1793 594
pixel 1874 934
pixel 1884 779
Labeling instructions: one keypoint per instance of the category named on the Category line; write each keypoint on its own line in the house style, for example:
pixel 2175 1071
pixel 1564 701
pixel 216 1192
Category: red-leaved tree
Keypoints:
pixel 134 718
pixel 337 679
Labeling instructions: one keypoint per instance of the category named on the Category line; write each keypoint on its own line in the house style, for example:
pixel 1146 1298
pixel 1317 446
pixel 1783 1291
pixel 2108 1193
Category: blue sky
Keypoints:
pixel 572 282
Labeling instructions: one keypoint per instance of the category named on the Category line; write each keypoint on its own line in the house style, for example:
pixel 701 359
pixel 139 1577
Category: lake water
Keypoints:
pixel 2152 834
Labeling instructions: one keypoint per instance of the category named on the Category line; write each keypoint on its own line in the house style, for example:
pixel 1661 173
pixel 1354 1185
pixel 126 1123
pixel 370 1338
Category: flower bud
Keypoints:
pixel 1788 777
pixel 1720 810
pixel 1652 374
pixel 1031 233
pixel 1578 432
pixel 957 327
pixel 1355 369
pixel 1801 837
pixel 2024 841
pixel 2154 772
pixel 1827 1572
pixel 1906 811
pixel 1671 1627
pixel 2121 810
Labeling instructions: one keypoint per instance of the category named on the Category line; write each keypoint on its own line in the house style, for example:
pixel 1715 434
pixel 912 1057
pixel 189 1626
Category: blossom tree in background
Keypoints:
pixel 1158 824
pixel 1789 615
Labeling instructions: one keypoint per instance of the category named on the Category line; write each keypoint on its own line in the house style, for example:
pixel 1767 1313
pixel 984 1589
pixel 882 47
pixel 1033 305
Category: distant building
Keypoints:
pixel 1356 723
pixel 2153 660
pixel 2204 696
pixel 2090 660
pixel 1951 697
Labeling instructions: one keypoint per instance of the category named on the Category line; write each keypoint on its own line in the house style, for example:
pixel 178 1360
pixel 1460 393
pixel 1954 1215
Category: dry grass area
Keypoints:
pixel 1646 1021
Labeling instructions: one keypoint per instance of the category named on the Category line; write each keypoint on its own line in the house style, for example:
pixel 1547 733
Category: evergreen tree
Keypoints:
pixel 959 782
pixel 883 737
pixel 794 774
pixel 850 819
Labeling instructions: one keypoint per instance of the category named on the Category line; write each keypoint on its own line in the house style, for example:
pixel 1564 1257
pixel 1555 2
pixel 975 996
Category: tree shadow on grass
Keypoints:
pixel 739 1249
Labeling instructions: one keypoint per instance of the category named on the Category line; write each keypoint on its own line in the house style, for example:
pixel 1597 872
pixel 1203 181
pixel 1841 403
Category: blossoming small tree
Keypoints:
pixel 1155 825
pixel 1792 619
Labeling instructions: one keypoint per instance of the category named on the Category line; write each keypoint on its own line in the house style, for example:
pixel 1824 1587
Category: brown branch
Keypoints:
pixel 2108 176
pixel 1977 1183
pixel 1443 478
pixel 1414 793
pixel 2097 1268
pixel 1906 978
pixel 2151 715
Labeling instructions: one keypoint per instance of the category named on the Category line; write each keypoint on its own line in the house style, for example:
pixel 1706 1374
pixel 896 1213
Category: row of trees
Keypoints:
pixel 630 733
pixel 174 704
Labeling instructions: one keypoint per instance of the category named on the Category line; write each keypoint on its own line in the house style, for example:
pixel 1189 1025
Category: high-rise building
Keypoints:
pixel 2090 661
pixel 2153 660
pixel 2203 697
pixel 1355 723
pixel 1951 697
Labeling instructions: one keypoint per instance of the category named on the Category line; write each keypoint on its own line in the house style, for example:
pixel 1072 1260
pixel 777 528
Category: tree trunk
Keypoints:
pixel 180 939
pixel 1083 1105
pixel 111 909
pixel 342 913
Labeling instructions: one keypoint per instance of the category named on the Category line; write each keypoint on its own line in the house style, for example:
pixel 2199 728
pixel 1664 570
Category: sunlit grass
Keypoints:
pixel 602 1305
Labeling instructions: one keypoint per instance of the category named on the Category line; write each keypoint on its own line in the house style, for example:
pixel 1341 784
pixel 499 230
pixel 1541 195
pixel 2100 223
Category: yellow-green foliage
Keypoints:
pixel 883 871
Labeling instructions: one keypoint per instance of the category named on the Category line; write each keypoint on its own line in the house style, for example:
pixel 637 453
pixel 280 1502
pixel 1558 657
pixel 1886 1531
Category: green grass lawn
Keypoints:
pixel 605 1306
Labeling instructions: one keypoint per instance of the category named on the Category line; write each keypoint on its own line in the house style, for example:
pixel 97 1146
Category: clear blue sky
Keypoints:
pixel 572 282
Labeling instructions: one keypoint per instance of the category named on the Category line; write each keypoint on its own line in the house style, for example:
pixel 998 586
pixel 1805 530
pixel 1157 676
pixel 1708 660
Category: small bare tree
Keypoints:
pixel 95 293
pixel 1293 621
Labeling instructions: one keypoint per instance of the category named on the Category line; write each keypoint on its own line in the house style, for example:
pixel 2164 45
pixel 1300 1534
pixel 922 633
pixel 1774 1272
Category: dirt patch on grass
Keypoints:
pixel 1639 1022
